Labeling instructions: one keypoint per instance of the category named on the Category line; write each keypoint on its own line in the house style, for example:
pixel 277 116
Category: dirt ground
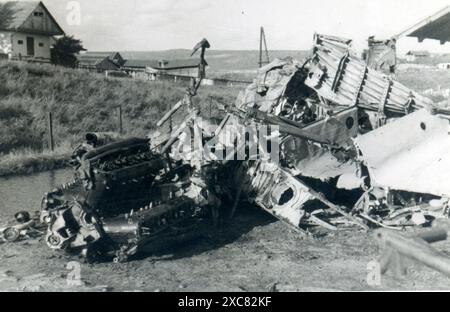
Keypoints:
pixel 254 253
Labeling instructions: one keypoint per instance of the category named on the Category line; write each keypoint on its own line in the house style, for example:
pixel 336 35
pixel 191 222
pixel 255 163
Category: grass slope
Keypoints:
pixel 81 102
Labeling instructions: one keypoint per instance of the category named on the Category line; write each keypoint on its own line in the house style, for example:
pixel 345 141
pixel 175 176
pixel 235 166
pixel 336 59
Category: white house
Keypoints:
pixel 27 31
pixel 413 56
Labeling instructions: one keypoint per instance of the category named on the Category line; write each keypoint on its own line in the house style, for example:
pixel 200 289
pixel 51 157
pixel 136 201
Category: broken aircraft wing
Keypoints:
pixel 409 154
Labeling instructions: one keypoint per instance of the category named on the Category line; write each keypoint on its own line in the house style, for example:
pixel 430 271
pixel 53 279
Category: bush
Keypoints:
pixel 16 129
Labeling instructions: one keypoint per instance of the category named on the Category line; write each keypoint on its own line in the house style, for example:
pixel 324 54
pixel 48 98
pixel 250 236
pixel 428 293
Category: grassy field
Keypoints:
pixel 28 161
pixel 421 80
pixel 80 102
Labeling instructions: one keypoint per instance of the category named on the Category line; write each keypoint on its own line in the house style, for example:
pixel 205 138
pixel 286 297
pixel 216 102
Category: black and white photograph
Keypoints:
pixel 242 147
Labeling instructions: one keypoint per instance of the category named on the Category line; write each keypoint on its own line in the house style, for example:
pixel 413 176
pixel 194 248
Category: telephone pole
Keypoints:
pixel 263 45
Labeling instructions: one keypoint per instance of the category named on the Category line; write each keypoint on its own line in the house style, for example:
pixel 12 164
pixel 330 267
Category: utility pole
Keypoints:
pixel 263 45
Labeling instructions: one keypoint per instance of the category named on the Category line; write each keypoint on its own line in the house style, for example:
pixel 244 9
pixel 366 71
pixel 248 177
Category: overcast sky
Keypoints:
pixel 234 24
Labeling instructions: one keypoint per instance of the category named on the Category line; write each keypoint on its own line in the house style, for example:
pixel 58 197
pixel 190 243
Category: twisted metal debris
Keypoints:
pixel 356 148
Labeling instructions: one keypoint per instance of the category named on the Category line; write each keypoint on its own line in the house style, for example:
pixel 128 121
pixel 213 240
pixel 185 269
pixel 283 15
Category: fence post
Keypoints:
pixel 51 142
pixel 210 106
pixel 120 119
pixel 170 120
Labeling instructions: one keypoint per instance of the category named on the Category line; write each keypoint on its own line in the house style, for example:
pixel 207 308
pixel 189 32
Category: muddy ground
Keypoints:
pixel 254 253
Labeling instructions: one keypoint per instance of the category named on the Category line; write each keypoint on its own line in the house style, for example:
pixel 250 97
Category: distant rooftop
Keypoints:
pixel 141 63
pixel 419 53
pixel 94 58
pixel 158 64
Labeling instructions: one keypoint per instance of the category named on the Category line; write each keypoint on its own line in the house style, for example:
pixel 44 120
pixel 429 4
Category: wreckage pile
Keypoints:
pixel 356 148
pixel 123 197
pixel 353 141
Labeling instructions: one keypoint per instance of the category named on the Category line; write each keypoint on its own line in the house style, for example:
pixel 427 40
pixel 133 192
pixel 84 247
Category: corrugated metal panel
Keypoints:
pixel 341 77
pixel 382 55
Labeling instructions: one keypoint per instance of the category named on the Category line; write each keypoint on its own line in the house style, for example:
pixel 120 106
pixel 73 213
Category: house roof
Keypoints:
pixel 94 58
pixel 97 62
pixel 89 60
pixel 155 64
pixel 419 53
pixel 14 14
pixel 110 55
pixel 141 63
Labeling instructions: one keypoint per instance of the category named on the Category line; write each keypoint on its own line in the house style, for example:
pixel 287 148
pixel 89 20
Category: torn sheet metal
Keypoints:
pixel 276 191
pixel 350 180
pixel 316 162
pixel 410 154
pixel 269 86
pixel 341 77
pixel 382 55
pixel 338 128
pixel 311 160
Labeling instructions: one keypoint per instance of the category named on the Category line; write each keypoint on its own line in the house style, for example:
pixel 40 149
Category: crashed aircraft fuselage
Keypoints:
pixel 356 148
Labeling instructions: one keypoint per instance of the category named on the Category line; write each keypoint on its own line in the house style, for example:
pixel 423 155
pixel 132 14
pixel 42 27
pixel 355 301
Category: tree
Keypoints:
pixel 64 50
pixel 6 15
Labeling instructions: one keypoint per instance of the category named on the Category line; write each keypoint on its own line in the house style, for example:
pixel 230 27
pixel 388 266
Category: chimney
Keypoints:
pixel 163 63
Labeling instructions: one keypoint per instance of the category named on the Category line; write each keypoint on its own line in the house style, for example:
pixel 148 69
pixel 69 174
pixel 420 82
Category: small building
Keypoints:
pixel 138 65
pixel 413 56
pixel 100 62
pixel 27 31
pixel 187 67
pixel 181 68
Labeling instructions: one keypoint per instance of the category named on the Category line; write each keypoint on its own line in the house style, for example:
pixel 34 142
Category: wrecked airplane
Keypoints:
pixel 354 148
